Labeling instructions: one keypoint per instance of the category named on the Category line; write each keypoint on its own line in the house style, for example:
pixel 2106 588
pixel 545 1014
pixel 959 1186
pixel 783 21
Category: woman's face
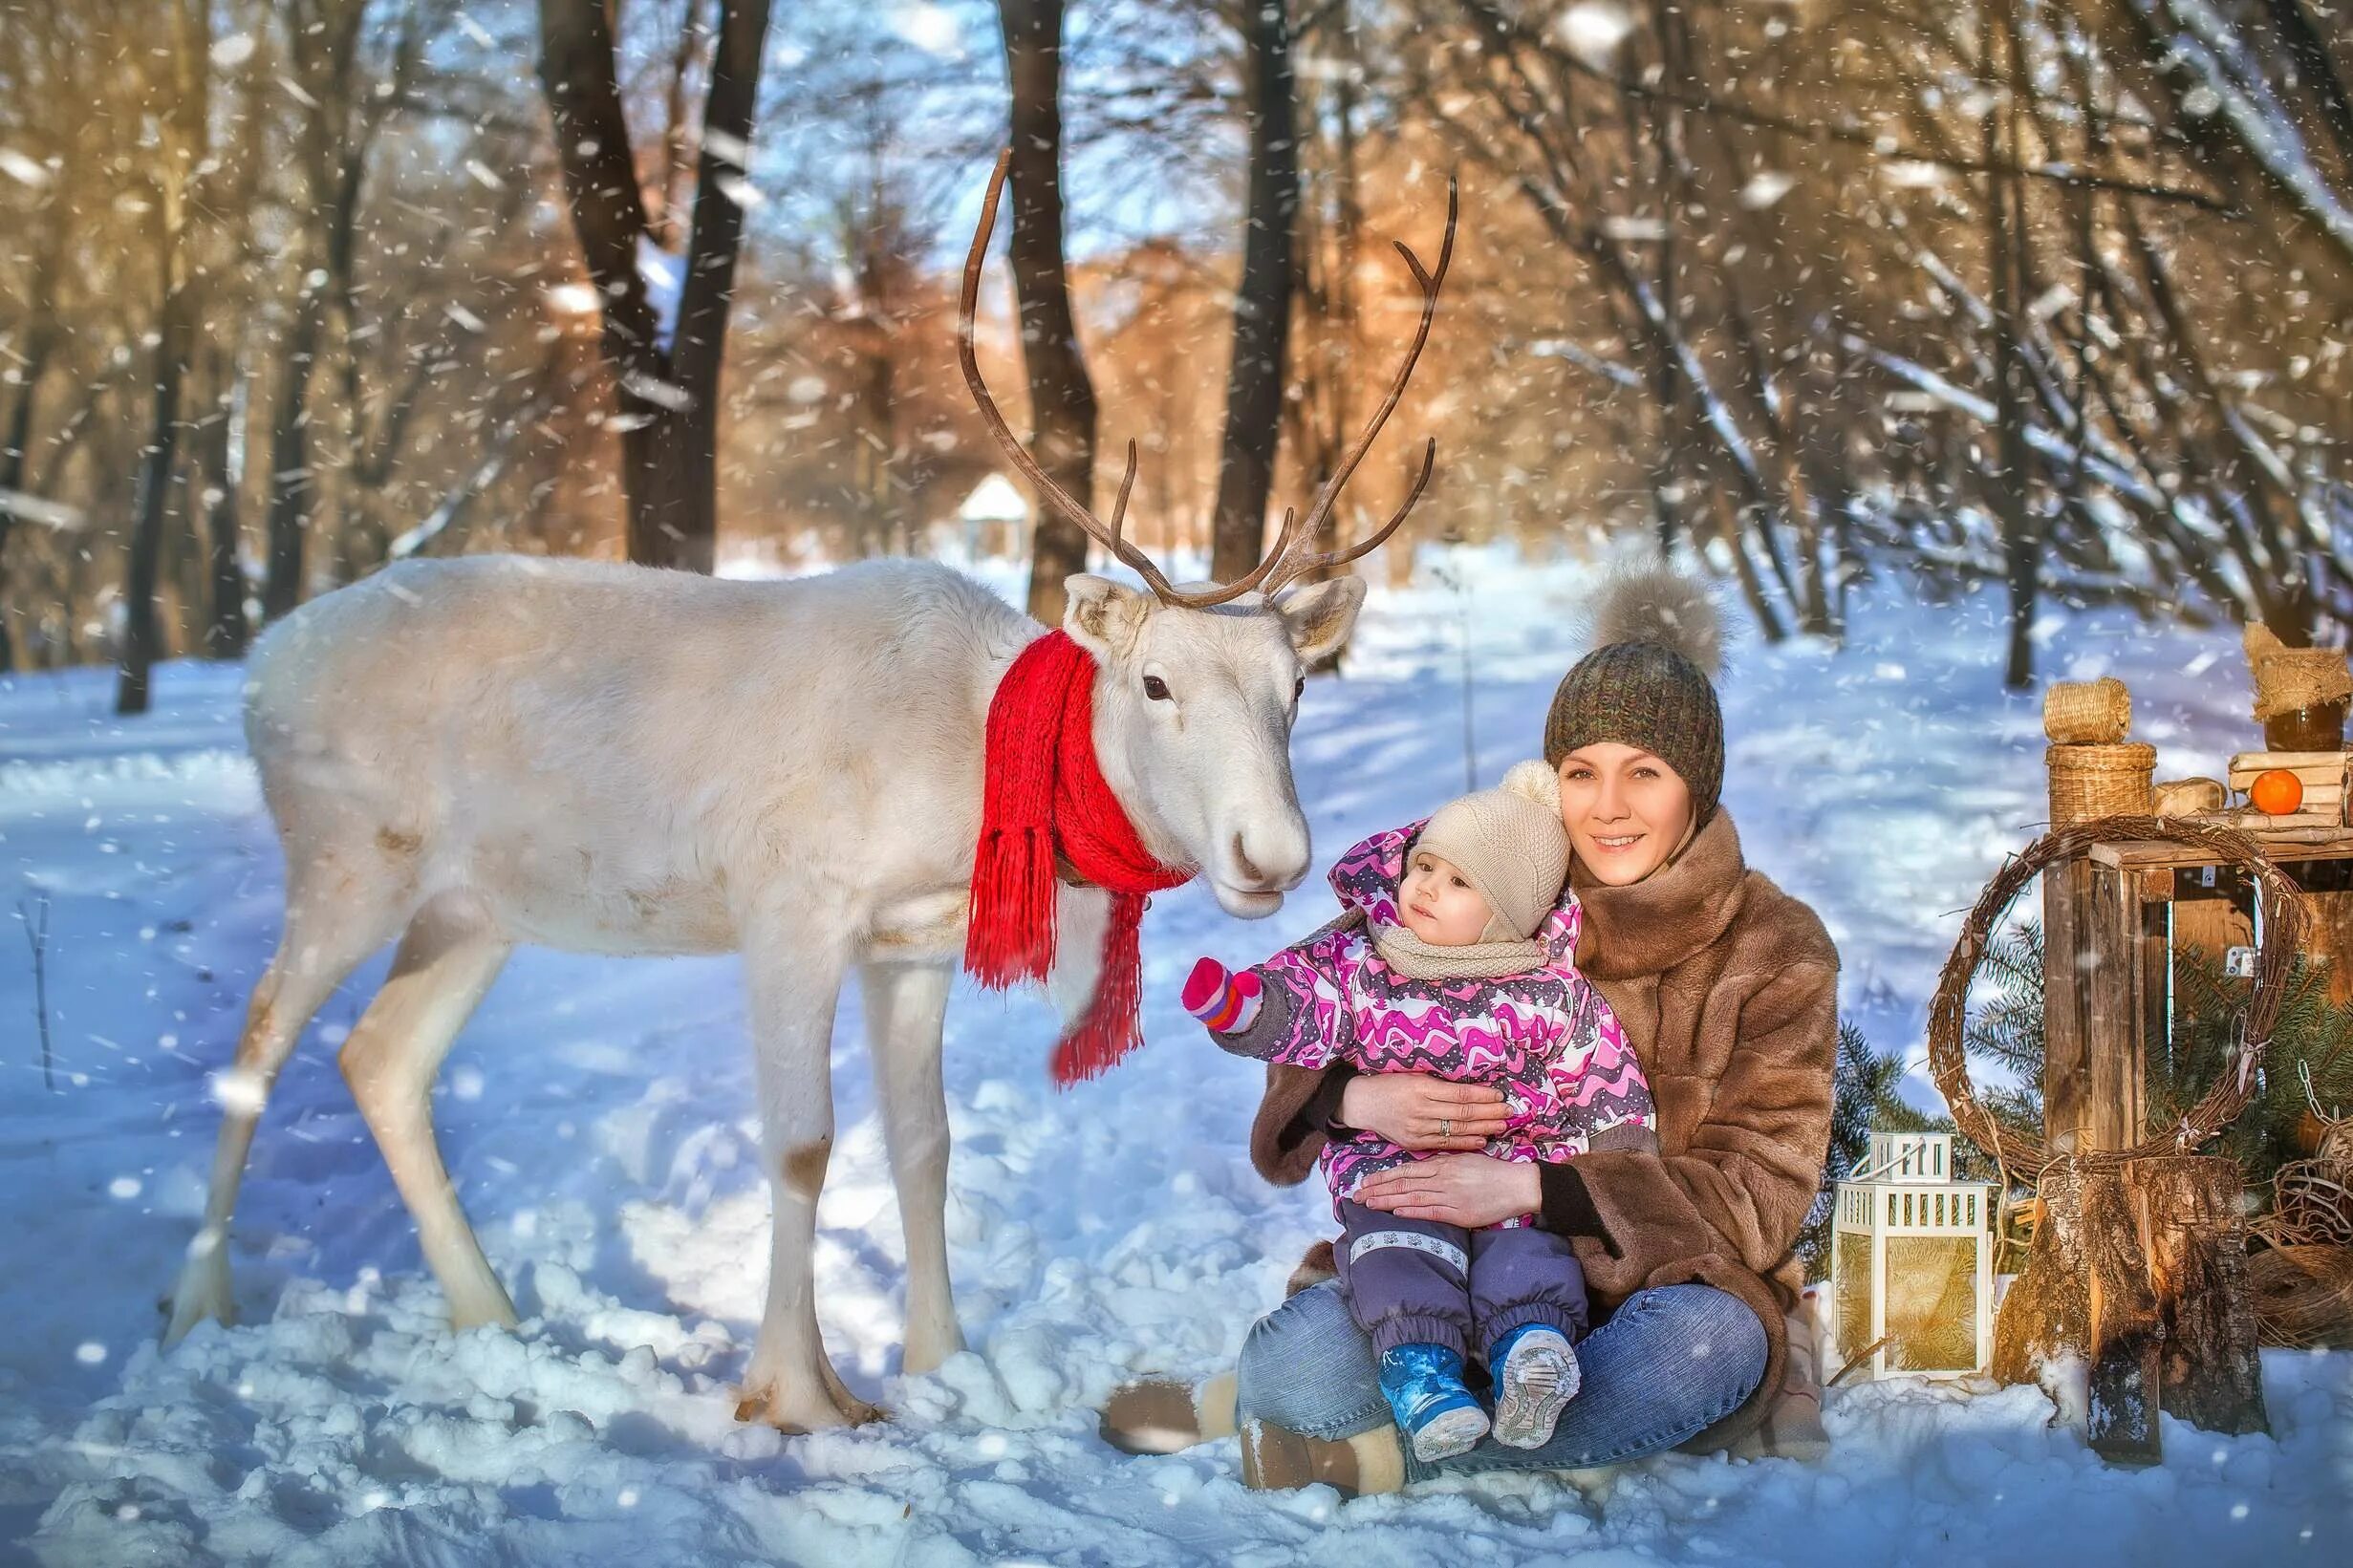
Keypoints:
pixel 1625 811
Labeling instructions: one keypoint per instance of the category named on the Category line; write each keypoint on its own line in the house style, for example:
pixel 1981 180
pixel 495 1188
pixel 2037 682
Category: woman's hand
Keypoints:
pixel 1472 1190
pixel 1421 1113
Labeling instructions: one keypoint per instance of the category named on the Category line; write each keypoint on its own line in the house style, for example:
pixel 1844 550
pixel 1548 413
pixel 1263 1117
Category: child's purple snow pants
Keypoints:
pixel 1414 1281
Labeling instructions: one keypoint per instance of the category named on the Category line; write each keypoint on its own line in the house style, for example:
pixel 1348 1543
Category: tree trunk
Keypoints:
pixel 184 133
pixel 708 295
pixel 1061 398
pixel 140 632
pixel 226 632
pixel 1263 305
pixel 666 376
pixel 287 519
pixel 12 461
pixel 2005 223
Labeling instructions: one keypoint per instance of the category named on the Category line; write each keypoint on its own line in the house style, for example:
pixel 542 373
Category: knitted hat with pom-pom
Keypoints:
pixel 1647 683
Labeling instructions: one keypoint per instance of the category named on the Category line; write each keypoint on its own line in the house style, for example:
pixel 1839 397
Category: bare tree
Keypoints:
pixel 184 121
pixel 665 366
pixel 1062 399
pixel 1262 303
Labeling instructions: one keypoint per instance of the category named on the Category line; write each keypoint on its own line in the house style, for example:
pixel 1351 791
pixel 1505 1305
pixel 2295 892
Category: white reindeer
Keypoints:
pixel 473 752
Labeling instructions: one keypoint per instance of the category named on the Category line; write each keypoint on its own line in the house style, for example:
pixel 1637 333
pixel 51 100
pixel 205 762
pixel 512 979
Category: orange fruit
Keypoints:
pixel 2277 792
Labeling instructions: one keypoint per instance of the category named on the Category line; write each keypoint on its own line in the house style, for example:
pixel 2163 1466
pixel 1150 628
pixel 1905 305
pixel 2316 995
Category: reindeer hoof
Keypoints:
pixel 800 1416
pixel 203 1292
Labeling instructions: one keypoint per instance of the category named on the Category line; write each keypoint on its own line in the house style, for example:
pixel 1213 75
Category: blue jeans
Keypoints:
pixel 1669 1363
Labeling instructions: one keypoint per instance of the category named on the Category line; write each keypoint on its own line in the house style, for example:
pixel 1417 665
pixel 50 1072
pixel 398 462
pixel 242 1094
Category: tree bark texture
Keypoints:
pixel 2137 1281
pixel 1263 304
pixel 184 134
pixel 666 384
pixel 1061 397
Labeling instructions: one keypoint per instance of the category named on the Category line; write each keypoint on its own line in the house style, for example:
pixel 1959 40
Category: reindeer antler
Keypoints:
pixel 1281 567
pixel 1054 495
pixel 1328 495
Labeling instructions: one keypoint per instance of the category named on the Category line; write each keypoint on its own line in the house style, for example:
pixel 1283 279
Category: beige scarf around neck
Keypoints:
pixel 1417 959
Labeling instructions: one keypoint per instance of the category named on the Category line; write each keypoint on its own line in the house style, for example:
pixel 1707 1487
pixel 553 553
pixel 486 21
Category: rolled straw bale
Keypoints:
pixel 2093 713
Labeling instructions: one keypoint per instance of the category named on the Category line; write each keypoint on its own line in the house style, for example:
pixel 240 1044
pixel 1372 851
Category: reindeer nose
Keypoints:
pixel 1287 864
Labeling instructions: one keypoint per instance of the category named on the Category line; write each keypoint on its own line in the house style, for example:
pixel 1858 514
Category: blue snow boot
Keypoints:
pixel 1536 1373
pixel 1424 1385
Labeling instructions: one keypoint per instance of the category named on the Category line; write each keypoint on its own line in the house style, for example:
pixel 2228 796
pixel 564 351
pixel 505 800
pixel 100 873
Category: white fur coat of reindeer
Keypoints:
pixel 471 754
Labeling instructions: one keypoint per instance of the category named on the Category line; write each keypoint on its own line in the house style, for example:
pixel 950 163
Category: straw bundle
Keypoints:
pixel 2077 713
pixel 2302 1296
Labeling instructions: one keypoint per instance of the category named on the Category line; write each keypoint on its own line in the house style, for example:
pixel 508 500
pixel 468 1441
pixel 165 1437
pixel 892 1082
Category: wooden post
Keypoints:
pixel 2328 901
pixel 2066 1004
pixel 2127 943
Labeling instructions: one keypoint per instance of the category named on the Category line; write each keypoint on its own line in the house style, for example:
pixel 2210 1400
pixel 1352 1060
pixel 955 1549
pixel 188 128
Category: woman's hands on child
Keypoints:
pixel 1421 1113
pixel 1472 1190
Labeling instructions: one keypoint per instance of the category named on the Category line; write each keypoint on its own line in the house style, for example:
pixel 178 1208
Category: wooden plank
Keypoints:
pixel 2213 910
pixel 2292 845
pixel 2311 767
pixel 2121 943
pixel 2066 1004
pixel 2328 932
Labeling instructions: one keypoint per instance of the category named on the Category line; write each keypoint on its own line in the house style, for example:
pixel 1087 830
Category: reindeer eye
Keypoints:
pixel 1155 688
pixel 1298 688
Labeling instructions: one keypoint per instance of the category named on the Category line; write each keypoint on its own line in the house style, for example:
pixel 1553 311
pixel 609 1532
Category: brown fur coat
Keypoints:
pixel 1728 991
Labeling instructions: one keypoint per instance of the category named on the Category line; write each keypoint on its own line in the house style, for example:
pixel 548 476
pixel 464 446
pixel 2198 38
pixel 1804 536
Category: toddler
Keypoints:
pixel 1454 957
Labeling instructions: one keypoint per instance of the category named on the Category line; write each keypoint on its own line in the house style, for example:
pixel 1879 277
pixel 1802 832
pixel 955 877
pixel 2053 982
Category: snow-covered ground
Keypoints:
pixel 596 1116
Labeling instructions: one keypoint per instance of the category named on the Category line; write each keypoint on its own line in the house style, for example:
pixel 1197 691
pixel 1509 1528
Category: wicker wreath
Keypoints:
pixel 2283 924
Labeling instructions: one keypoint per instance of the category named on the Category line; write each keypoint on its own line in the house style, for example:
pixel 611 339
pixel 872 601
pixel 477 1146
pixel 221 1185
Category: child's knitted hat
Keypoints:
pixel 1508 844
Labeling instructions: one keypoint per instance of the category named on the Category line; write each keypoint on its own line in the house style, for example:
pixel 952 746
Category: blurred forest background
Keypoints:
pixel 1835 298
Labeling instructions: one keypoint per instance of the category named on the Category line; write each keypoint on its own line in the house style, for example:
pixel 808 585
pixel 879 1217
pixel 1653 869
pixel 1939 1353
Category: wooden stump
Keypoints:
pixel 2138 1274
pixel 2046 1317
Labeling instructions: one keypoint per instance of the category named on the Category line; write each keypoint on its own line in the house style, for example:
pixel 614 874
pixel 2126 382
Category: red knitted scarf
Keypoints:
pixel 1044 793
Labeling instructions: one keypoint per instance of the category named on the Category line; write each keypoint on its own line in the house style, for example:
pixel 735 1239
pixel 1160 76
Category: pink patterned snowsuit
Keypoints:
pixel 1546 1038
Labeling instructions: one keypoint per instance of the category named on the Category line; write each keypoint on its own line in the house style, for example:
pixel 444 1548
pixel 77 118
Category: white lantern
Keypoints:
pixel 1911 1260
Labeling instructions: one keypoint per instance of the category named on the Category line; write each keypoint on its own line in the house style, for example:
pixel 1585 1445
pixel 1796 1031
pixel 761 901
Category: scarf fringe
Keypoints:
pixel 1113 1023
pixel 1010 938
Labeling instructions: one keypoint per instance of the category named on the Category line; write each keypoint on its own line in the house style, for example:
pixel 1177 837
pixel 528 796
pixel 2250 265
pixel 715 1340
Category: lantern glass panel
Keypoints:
pixel 1932 1303
pixel 1853 1305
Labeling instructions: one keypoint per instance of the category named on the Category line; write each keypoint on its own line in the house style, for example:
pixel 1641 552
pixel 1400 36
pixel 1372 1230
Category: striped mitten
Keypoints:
pixel 1225 1002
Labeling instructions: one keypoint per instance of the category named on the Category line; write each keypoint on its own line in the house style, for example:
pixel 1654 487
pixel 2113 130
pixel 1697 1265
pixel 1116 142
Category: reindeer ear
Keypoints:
pixel 1102 617
pixel 1319 615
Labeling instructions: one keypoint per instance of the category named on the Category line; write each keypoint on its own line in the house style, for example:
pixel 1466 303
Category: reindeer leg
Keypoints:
pixel 445 963
pixel 793 976
pixel 906 1005
pixel 324 940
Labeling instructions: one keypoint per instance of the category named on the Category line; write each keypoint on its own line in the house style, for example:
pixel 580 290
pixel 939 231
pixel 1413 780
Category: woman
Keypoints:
pixel 1727 990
